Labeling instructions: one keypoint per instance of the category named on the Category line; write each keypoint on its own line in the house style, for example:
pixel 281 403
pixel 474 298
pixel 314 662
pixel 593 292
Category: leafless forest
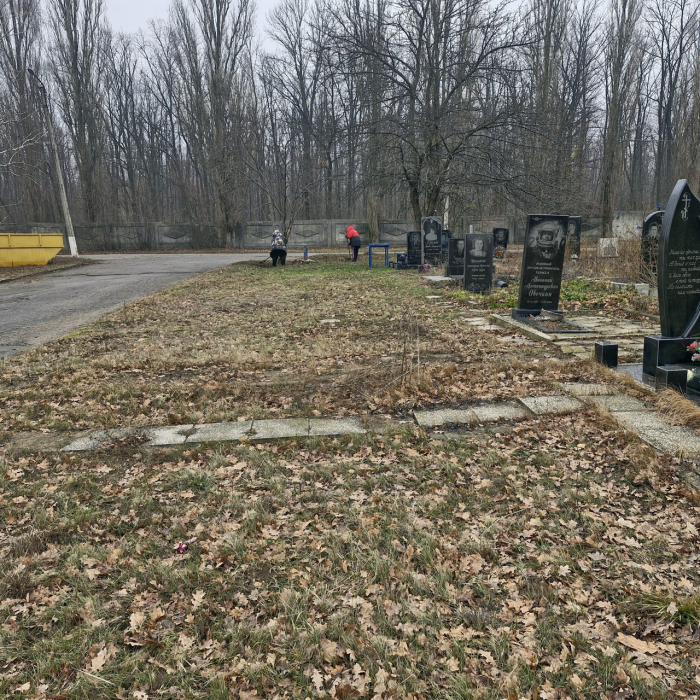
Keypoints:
pixel 369 109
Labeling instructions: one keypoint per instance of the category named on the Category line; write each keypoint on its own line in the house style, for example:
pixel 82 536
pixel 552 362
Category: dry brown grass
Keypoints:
pixel 680 409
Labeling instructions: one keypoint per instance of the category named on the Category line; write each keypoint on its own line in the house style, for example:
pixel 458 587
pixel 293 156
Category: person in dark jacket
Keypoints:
pixel 354 241
pixel 278 251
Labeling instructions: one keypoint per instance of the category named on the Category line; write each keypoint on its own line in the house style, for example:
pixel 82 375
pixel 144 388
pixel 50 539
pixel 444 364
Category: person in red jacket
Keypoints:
pixel 353 241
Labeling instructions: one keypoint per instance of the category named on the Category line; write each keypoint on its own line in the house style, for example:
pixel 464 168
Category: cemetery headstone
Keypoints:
pixel 650 241
pixel 414 248
pixel 679 264
pixel 543 264
pixel 432 239
pixel 608 248
pixel 574 236
pixel 455 257
pixel 500 242
pixel 446 236
pixel 679 292
pixel 478 262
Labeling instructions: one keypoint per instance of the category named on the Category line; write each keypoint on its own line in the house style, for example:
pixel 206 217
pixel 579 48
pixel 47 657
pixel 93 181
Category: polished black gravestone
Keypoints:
pixel 543 264
pixel 414 248
pixel 478 262
pixel 650 242
pixel 574 236
pixel 679 288
pixel 446 236
pixel 432 240
pixel 500 241
pixel 455 258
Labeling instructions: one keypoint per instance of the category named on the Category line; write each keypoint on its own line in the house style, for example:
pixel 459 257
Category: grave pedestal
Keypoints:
pixel 672 377
pixel 660 351
pixel 606 353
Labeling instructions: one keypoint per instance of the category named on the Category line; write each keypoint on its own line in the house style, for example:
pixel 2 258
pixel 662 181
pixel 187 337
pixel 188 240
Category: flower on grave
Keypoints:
pixel 499 253
pixel 694 346
pixel 695 357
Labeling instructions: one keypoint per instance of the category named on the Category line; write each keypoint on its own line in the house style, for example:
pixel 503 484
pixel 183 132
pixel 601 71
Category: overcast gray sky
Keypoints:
pixel 132 15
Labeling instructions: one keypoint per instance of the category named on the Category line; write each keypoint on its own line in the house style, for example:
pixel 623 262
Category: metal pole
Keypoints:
pixel 59 173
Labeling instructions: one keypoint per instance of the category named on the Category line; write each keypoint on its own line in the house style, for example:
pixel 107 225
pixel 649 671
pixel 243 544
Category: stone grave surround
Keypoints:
pixel 431 226
pixel 574 236
pixel 543 264
pixel 478 262
pixel 455 257
pixel 650 241
pixel 667 357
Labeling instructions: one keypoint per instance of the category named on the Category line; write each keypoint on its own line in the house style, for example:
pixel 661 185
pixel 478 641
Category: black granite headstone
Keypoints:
pixel 455 257
pixel 679 264
pixel 500 240
pixel 478 262
pixel 432 239
pixel 414 248
pixel 650 241
pixel 543 263
pixel 574 237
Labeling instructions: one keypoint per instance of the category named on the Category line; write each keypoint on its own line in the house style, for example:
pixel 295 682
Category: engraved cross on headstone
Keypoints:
pixel 686 206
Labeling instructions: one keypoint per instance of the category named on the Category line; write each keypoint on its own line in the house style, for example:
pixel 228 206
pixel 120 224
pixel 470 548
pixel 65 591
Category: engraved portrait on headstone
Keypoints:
pixel 543 262
pixel 432 239
pixel 478 262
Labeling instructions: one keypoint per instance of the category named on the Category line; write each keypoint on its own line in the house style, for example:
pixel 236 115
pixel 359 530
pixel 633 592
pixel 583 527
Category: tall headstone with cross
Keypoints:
pixel 679 285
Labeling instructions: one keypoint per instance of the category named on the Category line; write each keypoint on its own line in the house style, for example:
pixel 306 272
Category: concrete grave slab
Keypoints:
pixel 588 389
pixel 437 278
pixel 96 438
pixel 445 416
pixel 550 405
pixel 276 429
pixel 621 402
pixel 168 435
pixel 642 420
pixel 220 432
pixel 334 427
pixel 499 411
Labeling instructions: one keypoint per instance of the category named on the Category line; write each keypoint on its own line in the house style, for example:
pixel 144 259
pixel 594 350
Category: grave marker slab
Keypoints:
pixel 500 241
pixel 650 242
pixel 543 263
pixel 414 248
pixel 455 257
pixel 679 264
pixel 478 262
pixel 432 239
pixel 608 248
pixel 574 236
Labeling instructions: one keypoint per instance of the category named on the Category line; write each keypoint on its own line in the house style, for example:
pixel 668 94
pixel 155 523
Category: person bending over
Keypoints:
pixel 278 251
pixel 353 241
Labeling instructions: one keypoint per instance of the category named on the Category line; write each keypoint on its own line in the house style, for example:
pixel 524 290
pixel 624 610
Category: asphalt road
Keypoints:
pixel 42 308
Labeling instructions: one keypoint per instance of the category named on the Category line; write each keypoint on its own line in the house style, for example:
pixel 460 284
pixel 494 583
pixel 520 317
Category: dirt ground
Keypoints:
pixel 550 558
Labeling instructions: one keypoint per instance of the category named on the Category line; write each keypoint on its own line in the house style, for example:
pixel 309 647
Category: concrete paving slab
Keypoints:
pixel 96 438
pixel 445 416
pixel 220 432
pixel 588 389
pixel 642 420
pixel 276 429
pixel 674 440
pixel 621 402
pixel 333 427
pixel 549 405
pixel 499 411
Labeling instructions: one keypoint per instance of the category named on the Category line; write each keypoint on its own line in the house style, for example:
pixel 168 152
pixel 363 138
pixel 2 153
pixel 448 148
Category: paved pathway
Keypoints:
pixel 37 309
